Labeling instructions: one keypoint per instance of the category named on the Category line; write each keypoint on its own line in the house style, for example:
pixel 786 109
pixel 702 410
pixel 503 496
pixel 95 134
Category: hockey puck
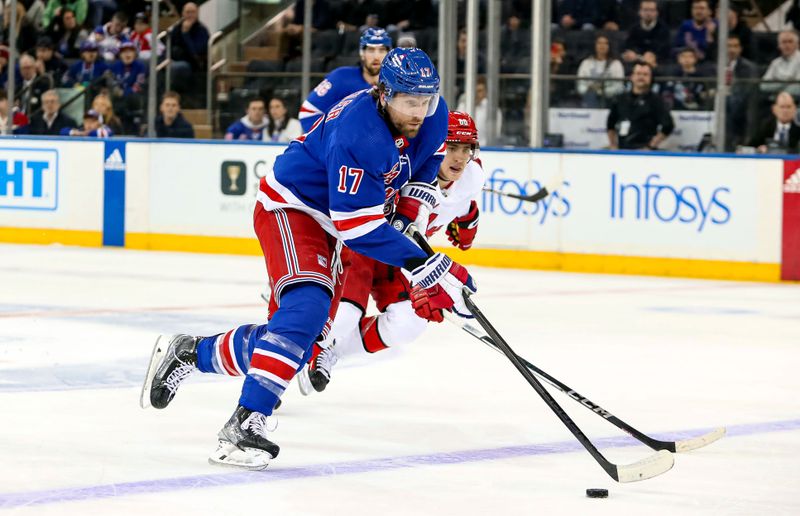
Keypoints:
pixel 597 493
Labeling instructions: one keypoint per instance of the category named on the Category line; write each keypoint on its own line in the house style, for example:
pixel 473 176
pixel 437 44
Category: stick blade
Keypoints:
pixel 649 467
pixel 694 443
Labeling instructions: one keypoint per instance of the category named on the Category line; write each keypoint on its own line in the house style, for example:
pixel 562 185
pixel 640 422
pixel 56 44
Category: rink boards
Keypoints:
pixel 710 216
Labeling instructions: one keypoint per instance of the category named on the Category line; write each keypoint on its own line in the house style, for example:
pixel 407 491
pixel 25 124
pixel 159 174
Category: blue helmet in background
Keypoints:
pixel 408 70
pixel 375 37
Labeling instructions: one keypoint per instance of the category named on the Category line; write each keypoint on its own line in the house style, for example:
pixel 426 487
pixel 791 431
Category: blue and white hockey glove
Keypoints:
pixel 444 280
pixel 417 201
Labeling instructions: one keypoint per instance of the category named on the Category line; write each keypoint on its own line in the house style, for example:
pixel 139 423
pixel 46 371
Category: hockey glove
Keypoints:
pixel 461 230
pixel 422 306
pixel 417 201
pixel 444 280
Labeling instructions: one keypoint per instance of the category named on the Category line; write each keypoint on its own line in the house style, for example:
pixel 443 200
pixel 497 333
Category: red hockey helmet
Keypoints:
pixel 461 129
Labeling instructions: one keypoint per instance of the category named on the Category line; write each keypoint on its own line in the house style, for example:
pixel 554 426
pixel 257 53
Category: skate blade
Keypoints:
pixel 304 382
pixel 229 455
pixel 159 350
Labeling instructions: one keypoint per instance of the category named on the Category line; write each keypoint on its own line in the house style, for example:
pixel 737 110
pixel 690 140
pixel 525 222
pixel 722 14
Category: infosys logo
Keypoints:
pixel 656 200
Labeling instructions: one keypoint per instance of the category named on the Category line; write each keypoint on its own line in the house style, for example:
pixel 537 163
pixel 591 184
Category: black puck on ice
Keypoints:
pixel 597 493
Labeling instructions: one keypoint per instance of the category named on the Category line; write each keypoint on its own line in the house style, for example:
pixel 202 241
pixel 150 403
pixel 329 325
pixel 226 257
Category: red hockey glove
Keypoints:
pixel 422 306
pixel 462 230
pixel 417 201
pixel 444 280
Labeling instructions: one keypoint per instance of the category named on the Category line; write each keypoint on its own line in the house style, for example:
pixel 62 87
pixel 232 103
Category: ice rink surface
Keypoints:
pixel 445 426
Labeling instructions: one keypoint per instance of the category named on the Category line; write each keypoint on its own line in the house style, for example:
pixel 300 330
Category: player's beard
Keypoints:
pixel 373 70
pixel 408 130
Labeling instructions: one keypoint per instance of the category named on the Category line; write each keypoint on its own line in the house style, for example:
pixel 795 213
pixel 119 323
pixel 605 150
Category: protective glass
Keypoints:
pixel 418 106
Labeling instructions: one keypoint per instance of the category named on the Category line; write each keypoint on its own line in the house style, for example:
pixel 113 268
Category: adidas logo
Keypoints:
pixel 792 184
pixel 114 161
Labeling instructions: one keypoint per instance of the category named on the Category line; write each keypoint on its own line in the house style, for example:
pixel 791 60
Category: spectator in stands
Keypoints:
pixel 588 14
pixel 34 16
pixel 786 67
pixel 130 76
pixel 25 32
pixel 461 54
pixel 741 30
pixel 251 126
pixel 56 8
pixel 600 65
pixel 171 123
pixel 142 36
pixel 280 126
pixel 515 44
pixel 102 104
pixel 67 34
pixel 649 36
pixel 481 111
pixel 47 62
pixel 110 36
pixel 50 120
pixel 639 119
pixel 32 86
pixel 4 66
pixel 189 47
pixel 690 93
pixel 323 17
pixel 780 133
pixel 88 70
pixel 19 122
pixel 93 127
pixel 99 11
pixel 561 63
pixel 698 33
pixel 741 99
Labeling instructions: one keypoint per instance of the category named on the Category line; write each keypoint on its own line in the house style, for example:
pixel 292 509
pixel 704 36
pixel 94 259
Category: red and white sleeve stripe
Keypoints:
pixel 354 224
pixel 308 110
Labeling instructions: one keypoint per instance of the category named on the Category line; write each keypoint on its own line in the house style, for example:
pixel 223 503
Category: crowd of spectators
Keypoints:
pixel 94 54
pixel 101 48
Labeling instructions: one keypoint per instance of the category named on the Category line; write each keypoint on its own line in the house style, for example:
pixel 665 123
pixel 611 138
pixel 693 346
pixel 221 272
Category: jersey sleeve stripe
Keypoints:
pixel 308 110
pixel 361 230
pixel 347 224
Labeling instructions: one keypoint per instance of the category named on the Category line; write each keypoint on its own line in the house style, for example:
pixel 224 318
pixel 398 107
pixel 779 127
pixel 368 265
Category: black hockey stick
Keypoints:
pixel 536 197
pixel 656 464
pixel 683 445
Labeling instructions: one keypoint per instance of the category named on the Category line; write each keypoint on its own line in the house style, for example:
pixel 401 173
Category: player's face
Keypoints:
pixel 407 112
pixel 455 161
pixel 372 57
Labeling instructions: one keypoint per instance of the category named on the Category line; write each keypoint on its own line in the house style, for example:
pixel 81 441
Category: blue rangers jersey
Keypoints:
pixel 346 173
pixel 338 84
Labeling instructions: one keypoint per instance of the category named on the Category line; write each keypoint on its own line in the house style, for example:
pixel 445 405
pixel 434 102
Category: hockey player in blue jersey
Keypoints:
pixel 375 154
pixel 343 81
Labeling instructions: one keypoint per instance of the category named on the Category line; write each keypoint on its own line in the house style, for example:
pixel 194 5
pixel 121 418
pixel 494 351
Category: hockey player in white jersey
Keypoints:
pixel 403 312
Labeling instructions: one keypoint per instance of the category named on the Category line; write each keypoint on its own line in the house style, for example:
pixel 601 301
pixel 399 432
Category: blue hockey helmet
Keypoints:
pixel 410 71
pixel 375 37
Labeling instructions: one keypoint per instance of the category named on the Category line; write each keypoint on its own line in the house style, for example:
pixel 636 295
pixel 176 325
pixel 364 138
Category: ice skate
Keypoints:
pixel 174 358
pixel 317 374
pixel 243 442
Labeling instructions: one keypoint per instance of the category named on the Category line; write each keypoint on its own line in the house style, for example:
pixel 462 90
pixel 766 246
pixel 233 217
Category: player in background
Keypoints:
pixel 375 154
pixel 460 178
pixel 343 81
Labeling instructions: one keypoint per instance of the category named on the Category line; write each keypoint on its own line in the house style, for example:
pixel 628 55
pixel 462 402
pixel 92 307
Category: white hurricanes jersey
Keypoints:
pixel 456 199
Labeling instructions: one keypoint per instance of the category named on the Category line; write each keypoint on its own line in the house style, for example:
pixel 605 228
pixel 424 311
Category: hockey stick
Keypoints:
pixel 683 445
pixel 656 464
pixel 538 196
